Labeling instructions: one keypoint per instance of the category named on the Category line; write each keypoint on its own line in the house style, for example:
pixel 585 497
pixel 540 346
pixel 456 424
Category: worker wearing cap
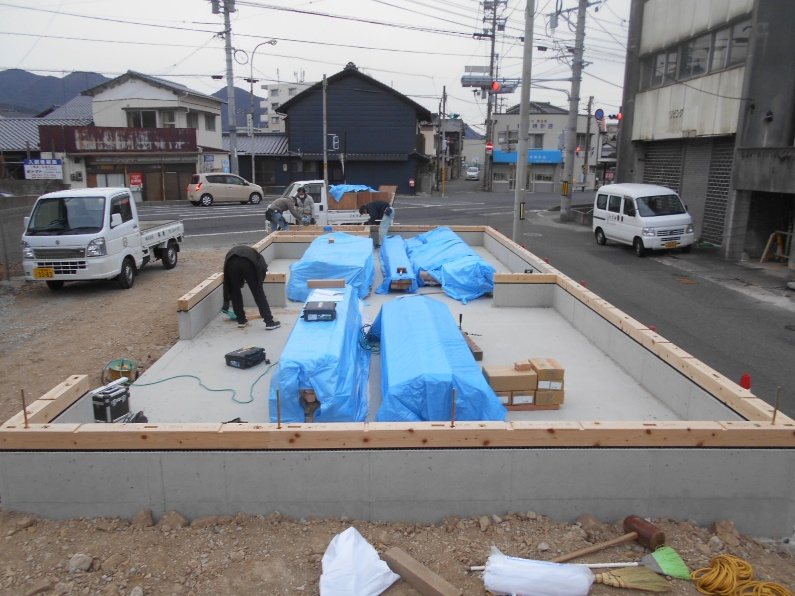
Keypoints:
pixel 274 213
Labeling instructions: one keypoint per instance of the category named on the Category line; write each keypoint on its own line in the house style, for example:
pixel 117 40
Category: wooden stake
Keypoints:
pixel 775 410
pixel 452 416
pixel 278 410
pixel 25 408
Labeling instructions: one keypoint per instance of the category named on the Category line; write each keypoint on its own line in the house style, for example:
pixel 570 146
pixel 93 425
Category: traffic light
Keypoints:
pixel 577 151
pixel 495 86
pixel 618 116
pixel 453 116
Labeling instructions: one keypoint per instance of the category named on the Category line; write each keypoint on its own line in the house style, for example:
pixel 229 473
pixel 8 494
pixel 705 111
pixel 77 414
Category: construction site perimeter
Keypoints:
pixel 697 445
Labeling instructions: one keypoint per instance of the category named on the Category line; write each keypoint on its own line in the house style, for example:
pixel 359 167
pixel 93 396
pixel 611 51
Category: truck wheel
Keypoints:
pixel 126 276
pixel 640 250
pixel 600 237
pixel 55 284
pixel 255 198
pixel 206 200
pixel 169 256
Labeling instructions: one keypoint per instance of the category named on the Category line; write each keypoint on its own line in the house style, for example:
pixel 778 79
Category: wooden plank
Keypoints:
pixel 109 437
pixel 531 407
pixel 191 298
pixel 473 347
pixel 52 403
pixel 400 284
pixel 325 283
pixel 417 575
pixel 525 278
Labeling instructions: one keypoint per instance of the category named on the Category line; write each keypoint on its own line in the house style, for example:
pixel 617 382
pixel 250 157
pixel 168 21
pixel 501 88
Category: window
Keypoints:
pixel 614 204
pixel 659 70
pixel 209 122
pixel 536 141
pixel 274 119
pixel 291 91
pixel 142 119
pixel 738 50
pixel 192 120
pixel 273 93
pixel 168 119
pixel 695 57
pixel 275 106
pixel 720 53
pixel 121 205
pixel 601 202
pixel 629 207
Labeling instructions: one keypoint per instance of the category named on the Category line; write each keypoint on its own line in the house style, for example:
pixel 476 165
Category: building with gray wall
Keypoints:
pixel 709 110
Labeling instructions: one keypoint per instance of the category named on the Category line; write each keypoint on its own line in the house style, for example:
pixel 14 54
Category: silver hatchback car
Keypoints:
pixel 206 189
pixel 473 173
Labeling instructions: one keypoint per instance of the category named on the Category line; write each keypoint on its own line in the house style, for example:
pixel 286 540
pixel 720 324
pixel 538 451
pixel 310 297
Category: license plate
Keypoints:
pixel 672 244
pixel 43 273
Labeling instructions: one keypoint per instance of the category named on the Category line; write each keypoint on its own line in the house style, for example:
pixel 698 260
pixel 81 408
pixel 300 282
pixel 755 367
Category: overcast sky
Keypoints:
pixel 418 47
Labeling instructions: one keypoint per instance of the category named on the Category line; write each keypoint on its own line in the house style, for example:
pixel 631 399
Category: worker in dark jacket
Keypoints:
pixel 244 264
pixel 379 211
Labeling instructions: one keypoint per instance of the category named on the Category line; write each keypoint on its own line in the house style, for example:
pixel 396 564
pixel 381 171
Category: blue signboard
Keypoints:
pixel 552 156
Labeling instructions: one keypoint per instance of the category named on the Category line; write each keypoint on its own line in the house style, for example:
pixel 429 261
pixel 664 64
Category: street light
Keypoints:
pixel 252 80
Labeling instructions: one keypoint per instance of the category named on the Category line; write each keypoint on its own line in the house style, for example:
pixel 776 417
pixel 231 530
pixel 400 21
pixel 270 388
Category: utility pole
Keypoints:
pixel 574 102
pixel 524 119
pixel 488 160
pixel 445 148
pixel 229 6
pixel 325 136
pixel 587 141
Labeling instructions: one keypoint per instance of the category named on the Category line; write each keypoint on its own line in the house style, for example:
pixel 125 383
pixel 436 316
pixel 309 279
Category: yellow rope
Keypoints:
pixel 728 575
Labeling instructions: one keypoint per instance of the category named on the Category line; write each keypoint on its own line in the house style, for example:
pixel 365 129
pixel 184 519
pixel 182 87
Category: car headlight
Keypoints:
pixel 648 232
pixel 27 251
pixel 96 248
pixel 689 229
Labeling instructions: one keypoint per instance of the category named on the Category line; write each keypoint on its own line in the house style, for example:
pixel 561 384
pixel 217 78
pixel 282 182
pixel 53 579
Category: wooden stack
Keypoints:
pixel 354 200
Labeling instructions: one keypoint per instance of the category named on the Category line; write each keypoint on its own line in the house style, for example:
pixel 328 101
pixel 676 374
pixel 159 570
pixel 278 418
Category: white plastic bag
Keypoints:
pixel 352 567
pixel 511 576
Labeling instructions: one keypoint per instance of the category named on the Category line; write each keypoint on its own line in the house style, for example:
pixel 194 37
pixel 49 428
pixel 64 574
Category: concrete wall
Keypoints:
pixel 752 487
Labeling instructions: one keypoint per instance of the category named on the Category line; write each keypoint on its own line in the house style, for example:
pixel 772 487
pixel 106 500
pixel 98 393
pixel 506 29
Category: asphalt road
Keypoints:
pixel 734 319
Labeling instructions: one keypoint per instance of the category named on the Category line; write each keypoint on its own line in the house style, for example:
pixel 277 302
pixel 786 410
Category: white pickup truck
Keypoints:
pixel 93 233
pixel 328 211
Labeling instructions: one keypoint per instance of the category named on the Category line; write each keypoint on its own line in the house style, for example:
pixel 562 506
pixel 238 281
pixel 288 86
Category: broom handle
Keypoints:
pixel 596 547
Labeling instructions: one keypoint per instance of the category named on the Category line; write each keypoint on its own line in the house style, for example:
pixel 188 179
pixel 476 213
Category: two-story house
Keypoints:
pixel 149 134
pixel 373 132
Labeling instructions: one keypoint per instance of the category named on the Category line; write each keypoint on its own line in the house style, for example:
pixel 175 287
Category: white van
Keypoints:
pixel 645 216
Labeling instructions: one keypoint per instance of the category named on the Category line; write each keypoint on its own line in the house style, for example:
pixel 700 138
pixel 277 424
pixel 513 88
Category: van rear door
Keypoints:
pixel 612 217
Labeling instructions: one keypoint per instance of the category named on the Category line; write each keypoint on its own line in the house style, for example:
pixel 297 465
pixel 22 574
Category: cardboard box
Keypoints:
pixel 545 397
pixel 506 378
pixel 522 397
pixel 548 369
pixel 558 385
pixel 522 365
pixel 505 397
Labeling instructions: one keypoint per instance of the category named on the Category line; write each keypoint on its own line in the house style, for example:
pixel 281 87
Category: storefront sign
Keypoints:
pixel 43 169
pixel 136 181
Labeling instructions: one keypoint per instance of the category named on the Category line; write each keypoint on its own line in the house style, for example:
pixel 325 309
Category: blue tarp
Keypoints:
pixel 338 190
pixel 325 356
pixel 424 356
pixel 393 257
pixel 463 274
pixel 348 257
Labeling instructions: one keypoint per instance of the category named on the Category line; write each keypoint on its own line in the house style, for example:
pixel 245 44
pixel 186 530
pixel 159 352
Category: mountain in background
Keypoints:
pixel 28 94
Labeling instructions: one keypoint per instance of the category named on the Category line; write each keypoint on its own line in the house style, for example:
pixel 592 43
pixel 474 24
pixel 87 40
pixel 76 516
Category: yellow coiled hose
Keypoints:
pixel 728 575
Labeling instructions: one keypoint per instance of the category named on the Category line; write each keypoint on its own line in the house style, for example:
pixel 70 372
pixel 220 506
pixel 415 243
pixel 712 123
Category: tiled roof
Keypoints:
pixel 19 134
pixel 78 107
pixel 264 144
pixel 156 81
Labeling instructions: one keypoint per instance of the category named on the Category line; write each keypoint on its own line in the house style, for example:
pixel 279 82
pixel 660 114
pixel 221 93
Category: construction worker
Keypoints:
pixel 273 214
pixel 305 205
pixel 379 211
pixel 243 264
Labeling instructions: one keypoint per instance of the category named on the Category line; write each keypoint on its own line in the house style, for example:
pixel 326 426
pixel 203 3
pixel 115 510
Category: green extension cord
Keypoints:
pixel 234 393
